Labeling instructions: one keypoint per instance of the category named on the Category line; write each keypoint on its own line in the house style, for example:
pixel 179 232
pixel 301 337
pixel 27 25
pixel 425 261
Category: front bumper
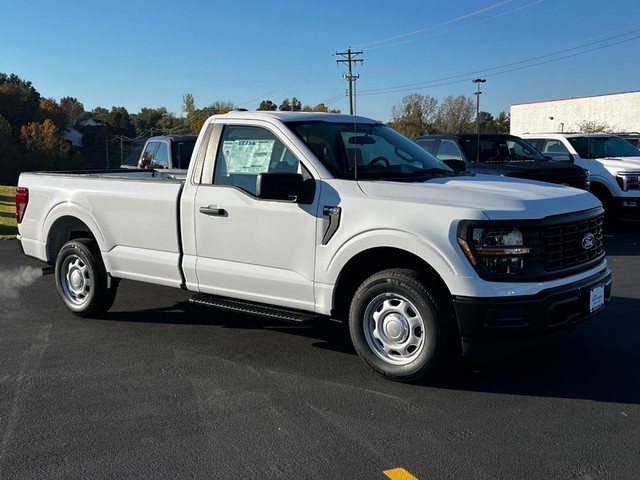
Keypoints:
pixel 492 327
pixel 628 208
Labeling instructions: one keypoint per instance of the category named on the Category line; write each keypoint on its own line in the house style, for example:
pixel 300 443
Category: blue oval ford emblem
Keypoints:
pixel 588 241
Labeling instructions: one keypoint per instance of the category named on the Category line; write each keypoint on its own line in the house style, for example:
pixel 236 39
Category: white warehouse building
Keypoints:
pixel 620 112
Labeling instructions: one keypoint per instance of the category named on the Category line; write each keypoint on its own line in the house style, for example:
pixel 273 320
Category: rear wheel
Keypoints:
pixel 81 279
pixel 398 326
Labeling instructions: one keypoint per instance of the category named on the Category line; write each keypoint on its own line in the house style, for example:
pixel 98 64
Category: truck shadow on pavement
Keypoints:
pixel 597 360
pixel 622 239
pixel 330 335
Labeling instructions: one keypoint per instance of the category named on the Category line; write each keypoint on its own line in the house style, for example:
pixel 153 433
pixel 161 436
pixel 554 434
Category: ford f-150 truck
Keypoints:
pixel 307 215
pixel 613 162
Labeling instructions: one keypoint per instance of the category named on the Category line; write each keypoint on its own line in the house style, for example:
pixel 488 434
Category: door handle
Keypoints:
pixel 213 211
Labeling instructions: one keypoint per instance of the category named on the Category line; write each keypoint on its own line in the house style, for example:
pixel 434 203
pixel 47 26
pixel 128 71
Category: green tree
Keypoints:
pixel 9 155
pixel 19 101
pixel 487 124
pixel 503 123
pixel 267 105
pixel 415 116
pixel 285 106
pixel 172 124
pixel 321 107
pixel 147 120
pixel 293 105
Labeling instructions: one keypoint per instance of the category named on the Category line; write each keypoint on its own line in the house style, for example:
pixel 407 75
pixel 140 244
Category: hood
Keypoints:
pixel 524 169
pixel 496 197
pixel 620 163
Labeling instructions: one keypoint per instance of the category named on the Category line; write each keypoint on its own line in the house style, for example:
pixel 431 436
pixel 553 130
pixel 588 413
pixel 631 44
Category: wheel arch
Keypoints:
pixel 371 261
pixel 62 230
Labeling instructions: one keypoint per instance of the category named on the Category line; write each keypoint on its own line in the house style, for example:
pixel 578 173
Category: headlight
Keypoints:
pixel 496 250
pixel 628 180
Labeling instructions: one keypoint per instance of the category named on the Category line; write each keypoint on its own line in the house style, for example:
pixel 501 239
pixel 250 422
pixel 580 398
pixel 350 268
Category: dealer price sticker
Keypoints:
pixel 596 298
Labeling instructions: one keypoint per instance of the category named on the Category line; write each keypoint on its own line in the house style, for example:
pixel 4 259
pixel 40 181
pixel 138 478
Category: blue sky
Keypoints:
pixel 149 54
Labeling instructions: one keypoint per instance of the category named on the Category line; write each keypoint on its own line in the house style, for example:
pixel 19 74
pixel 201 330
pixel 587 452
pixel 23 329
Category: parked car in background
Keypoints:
pixel 501 154
pixel 613 162
pixel 172 152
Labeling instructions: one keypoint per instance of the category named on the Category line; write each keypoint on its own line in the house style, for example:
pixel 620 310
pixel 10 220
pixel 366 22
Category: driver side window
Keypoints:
pixel 245 152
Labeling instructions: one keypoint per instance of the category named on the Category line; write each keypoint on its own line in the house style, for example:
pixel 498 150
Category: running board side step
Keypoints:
pixel 254 308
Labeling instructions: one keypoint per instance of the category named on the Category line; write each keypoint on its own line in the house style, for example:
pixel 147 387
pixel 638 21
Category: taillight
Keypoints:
pixel 22 198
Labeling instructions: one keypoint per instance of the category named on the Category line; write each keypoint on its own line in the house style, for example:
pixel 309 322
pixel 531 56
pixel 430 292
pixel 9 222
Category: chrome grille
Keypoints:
pixel 562 244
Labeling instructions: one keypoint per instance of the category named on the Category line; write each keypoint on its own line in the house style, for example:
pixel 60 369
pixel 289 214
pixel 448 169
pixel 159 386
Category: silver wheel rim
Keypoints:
pixel 394 329
pixel 75 280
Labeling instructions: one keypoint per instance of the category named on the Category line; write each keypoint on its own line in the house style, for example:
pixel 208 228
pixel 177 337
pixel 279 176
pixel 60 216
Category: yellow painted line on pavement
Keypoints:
pixel 399 474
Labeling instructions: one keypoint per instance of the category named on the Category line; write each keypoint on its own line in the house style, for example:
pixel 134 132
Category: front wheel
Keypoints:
pixel 398 326
pixel 81 279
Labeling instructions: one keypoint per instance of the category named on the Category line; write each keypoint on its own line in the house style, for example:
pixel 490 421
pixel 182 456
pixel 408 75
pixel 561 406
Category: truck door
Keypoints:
pixel 251 248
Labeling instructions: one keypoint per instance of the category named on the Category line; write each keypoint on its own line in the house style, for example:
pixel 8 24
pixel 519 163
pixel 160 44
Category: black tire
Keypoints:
pixel 611 214
pixel 81 279
pixel 399 327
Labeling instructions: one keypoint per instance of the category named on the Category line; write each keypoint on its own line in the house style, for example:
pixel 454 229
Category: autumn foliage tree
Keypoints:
pixel 73 110
pixel 415 116
pixel 42 139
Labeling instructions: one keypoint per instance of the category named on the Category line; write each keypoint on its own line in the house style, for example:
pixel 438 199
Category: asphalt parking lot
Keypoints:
pixel 162 389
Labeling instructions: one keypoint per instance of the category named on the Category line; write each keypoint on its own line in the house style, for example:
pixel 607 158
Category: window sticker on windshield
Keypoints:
pixel 247 156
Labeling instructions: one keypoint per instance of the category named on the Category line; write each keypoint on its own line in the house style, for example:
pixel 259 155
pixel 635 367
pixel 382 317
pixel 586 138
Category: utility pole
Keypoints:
pixel 349 59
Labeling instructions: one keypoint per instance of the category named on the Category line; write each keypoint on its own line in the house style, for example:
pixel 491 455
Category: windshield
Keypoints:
pixel 500 148
pixel 601 147
pixel 368 151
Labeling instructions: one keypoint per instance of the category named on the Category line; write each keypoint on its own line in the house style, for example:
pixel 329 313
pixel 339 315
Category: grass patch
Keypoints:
pixel 8 227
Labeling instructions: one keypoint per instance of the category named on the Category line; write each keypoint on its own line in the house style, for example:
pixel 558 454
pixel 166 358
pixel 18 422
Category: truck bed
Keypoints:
pixel 133 213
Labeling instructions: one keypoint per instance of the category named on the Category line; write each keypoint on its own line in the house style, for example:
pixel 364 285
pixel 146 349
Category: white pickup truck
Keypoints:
pixel 613 164
pixel 306 215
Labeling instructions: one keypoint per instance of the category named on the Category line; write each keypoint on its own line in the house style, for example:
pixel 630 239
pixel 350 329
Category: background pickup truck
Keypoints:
pixel 613 162
pixel 305 216
pixel 502 154
pixel 171 152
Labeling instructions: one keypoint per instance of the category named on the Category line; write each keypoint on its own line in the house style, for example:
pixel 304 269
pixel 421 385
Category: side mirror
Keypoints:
pixel 290 187
pixel 456 165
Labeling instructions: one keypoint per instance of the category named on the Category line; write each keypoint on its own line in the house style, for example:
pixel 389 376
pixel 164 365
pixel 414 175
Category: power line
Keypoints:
pixel 453 20
pixel 443 81
pixel 290 83
pixel 484 20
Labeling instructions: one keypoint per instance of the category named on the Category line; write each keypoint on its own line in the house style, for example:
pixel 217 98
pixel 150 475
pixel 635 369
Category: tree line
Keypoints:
pixel 421 114
pixel 34 130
